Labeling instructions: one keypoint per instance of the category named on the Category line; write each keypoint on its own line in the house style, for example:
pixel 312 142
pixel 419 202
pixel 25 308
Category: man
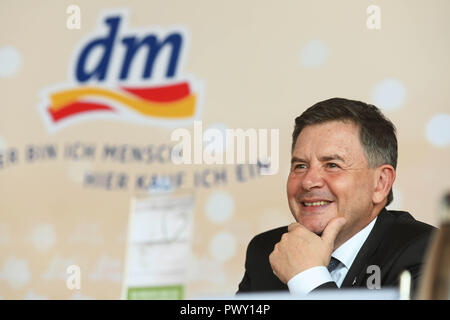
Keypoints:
pixel 344 156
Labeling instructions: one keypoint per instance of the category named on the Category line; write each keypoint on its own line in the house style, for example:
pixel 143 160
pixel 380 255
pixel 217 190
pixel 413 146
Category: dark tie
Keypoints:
pixel 333 264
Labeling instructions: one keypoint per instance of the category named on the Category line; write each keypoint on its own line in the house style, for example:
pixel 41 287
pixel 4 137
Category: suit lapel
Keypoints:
pixel 356 275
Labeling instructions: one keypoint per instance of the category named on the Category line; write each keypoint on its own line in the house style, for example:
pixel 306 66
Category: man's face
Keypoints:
pixel 330 177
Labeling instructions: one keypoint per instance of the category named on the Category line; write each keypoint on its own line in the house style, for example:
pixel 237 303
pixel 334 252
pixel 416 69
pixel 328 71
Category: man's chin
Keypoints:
pixel 317 230
pixel 315 226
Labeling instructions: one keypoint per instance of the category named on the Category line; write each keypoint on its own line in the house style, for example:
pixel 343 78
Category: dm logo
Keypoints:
pixel 127 75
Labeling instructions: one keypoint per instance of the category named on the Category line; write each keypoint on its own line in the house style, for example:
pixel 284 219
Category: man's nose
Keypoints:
pixel 312 179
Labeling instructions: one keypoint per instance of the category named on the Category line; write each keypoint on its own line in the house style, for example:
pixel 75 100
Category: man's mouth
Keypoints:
pixel 315 203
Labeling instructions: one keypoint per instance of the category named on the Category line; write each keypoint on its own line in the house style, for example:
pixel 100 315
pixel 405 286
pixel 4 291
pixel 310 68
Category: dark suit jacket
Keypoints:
pixel 396 242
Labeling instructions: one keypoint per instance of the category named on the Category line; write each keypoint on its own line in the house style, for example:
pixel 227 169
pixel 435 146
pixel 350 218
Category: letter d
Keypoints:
pixel 102 66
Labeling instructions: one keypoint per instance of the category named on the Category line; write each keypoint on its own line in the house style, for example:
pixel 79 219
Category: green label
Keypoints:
pixel 156 293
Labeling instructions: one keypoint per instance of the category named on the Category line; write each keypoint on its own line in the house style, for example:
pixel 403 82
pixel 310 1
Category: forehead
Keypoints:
pixel 332 137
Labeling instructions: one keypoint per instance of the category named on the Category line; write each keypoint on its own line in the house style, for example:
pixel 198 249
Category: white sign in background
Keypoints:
pixel 159 241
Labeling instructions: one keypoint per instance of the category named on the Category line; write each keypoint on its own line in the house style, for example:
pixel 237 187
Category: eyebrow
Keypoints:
pixel 323 158
pixel 295 159
pixel 332 157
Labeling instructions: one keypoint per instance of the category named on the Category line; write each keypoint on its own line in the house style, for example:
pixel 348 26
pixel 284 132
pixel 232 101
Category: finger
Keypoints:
pixel 332 230
pixel 272 261
pixel 293 226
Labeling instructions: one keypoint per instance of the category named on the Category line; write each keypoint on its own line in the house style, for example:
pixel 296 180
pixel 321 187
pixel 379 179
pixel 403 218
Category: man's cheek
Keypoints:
pixel 291 187
pixel 291 194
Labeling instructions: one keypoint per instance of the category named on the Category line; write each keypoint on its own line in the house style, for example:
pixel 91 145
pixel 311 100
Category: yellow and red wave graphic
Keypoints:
pixel 170 101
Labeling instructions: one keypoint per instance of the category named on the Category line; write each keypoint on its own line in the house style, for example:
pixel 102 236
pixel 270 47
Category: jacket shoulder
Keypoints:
pixel 405 227
pixel 401 231
pixel 404 247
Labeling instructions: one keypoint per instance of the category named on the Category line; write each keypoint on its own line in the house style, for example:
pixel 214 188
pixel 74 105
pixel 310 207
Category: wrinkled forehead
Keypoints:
pixel 331 127
pixel 332 138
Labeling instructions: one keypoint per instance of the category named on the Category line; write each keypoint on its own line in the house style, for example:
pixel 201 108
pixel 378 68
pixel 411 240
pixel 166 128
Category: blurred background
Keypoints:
pixel 250 64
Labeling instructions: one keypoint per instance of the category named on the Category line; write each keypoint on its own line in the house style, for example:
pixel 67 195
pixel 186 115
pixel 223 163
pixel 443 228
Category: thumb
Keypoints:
pixel 332 230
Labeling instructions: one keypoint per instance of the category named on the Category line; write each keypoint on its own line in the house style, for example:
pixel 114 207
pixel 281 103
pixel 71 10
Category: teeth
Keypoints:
pixel 318 203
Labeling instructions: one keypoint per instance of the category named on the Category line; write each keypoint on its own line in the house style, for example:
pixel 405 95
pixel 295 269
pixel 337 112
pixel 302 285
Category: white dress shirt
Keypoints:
pixel 306 281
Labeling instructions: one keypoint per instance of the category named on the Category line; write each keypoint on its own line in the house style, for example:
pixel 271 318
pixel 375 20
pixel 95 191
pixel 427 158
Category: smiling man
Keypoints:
pixel 344 157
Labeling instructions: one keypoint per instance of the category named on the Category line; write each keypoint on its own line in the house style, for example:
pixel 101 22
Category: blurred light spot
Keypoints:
pixel 15 272
pixel 223 246
pixel 389 94
pixel 438 130
pixel 43 237
pixel 314 54
pixel 219 206
pixel 10 61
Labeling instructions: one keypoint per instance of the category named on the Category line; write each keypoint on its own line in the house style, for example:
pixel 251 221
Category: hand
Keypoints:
pixel 300 249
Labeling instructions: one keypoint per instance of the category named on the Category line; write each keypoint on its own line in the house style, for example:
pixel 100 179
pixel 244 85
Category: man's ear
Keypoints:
pixel 384 179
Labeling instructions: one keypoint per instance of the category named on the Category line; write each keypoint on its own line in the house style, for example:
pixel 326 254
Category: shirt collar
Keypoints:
pixel 347 252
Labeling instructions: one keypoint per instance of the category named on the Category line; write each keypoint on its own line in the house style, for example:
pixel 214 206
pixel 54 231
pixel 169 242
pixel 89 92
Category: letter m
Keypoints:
pixel 154 47
pixel 240 136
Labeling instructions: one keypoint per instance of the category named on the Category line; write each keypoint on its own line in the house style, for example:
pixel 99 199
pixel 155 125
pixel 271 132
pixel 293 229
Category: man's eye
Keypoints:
pixel 332 165
pixel 300 166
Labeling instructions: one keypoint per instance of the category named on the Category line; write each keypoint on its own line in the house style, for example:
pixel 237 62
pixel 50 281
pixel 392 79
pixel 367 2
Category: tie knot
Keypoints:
pixel 333 264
